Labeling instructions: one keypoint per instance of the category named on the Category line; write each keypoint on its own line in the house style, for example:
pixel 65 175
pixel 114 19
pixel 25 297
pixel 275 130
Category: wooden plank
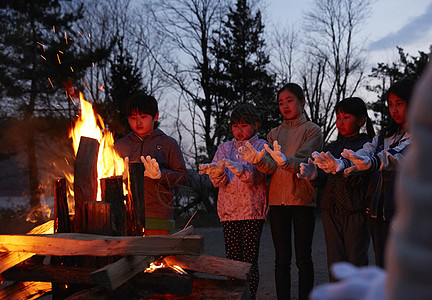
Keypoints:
pixel 66 244
pixel 85 178
pixel 136 186
pixel 112 193
pixel 211 265
pixel 10 259
pixel 114 275
pixel 55 274
pixel 97 217
pixel 25 290
pixel 61 208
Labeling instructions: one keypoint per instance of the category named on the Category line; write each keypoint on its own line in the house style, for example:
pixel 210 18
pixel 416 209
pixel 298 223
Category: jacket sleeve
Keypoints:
pixel 176 174
pixel 390 159
pixel 313 142
pixel 221 180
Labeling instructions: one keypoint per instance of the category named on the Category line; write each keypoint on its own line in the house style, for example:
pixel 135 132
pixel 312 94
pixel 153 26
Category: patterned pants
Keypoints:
pixel 242 241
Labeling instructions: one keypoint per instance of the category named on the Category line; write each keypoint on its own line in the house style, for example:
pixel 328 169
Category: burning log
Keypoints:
pixel 114 275
pixel 10 259
pixel 85 178
pixel 97 218
pixel 61 208
pixel 25 290
pixel 211 265
pixel 137 200
pixel 112 193
pixel 66 244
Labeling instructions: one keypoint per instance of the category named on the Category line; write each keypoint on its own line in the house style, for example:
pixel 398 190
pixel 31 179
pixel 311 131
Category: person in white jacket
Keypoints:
pixel 409 250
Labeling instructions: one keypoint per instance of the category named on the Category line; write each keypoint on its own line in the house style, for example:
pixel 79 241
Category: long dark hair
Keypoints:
pixel 403 89
pixel 357 107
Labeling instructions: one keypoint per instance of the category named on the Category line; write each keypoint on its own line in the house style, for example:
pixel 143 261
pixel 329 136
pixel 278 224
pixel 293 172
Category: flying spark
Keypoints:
pixel 50 82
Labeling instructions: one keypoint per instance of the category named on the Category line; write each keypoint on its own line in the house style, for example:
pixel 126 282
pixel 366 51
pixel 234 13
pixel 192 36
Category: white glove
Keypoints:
pixel 364 283
pixel 235 167
pixel 250 154
pixel 213 169
pixel 361 162
pixel 276 154
pixel 327 162
pixel 308 171
pixel 151 167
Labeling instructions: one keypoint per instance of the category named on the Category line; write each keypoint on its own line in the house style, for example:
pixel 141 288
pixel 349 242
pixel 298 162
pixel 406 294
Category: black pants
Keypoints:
pixel 379 230
pixel 242 242
pixel 282 220
pixel 347 238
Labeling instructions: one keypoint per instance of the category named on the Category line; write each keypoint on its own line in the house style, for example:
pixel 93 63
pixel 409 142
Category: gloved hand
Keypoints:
pixel 361 162
pixel 327 162
pixel 151 167
pixel 357 283
pixel 213 169
pixel 250 154
pixel 308 171
pixel 125 173
pixel 235 167
pixel 276 154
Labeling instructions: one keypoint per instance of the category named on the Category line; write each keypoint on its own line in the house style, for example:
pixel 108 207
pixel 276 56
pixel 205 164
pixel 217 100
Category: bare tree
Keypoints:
pixel 334 68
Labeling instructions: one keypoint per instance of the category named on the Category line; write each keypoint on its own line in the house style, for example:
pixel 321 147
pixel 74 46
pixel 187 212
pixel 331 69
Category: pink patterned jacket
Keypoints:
pixel 244 197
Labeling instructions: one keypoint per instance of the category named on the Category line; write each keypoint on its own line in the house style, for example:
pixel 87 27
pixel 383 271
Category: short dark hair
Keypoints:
pixel 293 88
pixel 245 113
pixel 141 103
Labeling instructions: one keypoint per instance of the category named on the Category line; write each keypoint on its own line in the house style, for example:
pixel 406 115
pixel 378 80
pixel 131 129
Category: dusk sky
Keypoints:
pixel 404 23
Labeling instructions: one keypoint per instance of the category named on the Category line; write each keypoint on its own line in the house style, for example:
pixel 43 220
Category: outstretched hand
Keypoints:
pixel 327 162
pixel 276 154
pixel 235 167
pixel 213 169
pixel 308 170
pixel 361 162
pixel 151 167
pixel 250 154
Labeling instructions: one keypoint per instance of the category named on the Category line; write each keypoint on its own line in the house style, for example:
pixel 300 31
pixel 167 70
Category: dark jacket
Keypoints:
pixel 344 194
pixel 158 193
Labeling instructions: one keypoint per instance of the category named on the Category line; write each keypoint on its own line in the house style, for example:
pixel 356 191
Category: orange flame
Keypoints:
pixel 91 125
pixel 159 264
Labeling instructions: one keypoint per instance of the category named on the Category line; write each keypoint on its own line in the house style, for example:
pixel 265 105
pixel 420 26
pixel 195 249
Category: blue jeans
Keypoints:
pixel 302 220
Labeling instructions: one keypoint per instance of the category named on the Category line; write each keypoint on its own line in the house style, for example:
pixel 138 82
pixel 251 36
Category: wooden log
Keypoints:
pixel 25 290
pixel 114 275
pixel 136 176
pixel 112 193
pixel 55 274
pixel 212 288
pixel 65 244
pixel 95 293
pixel 211 265
pixel 97 217
pixel 10 259
pixel 85 178
pixel 61 208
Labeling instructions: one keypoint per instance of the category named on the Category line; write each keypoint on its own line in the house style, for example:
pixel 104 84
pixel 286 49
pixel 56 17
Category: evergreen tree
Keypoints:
pixel 126 80
pixel 38 57
pixel 239 74
pixel 406 67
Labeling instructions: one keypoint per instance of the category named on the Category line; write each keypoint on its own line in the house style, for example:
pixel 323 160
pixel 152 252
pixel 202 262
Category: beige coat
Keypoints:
pixel 298 139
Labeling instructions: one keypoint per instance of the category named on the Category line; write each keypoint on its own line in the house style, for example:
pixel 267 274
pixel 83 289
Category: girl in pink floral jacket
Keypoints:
pixel 242 201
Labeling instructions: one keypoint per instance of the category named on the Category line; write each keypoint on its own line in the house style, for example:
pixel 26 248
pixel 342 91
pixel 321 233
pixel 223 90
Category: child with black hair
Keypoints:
pixel 242 199
pixel 382 157
pixel 291 199
pixel 343 200
pixel 162 158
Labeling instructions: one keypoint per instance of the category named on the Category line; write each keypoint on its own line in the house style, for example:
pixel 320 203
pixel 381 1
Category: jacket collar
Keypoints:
pixel 242 143
pixel 296 122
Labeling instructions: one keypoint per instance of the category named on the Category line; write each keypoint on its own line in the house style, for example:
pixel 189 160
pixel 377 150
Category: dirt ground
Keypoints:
pixel 214 245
